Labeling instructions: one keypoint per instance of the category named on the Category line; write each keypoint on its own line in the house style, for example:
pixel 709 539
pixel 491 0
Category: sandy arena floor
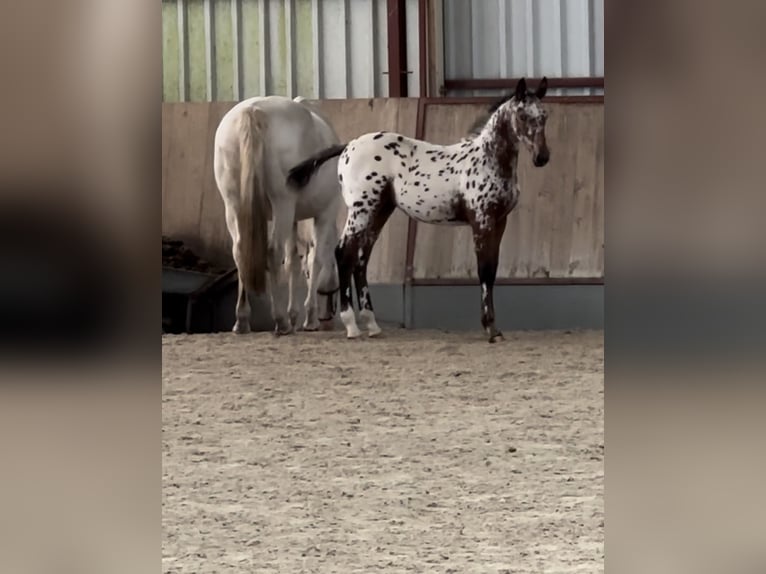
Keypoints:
pixel 417 452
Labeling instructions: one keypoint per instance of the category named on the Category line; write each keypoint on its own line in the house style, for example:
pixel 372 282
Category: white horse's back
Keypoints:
pixel 293 132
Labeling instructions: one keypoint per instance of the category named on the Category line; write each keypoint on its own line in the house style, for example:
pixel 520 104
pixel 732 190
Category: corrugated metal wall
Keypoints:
pixel 224 50
pixel 532 38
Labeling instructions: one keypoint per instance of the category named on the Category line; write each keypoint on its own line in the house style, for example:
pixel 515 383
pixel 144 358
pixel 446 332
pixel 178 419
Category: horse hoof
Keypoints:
pixel 496 337
pixel 353 334
pixel 372 333
pixel 241 328
pixel 311 328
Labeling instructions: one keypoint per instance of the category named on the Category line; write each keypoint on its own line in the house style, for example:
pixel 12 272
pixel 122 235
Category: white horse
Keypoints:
pixel 256 143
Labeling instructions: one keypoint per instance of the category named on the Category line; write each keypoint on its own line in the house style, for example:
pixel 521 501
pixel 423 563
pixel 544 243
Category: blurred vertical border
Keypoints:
pixel 685 300
pixel 80 409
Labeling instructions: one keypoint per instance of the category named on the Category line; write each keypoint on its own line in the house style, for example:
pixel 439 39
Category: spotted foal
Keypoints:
pixel 473 182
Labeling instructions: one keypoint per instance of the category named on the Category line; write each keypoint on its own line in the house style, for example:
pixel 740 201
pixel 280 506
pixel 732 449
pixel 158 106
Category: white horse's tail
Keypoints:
pixel 253 214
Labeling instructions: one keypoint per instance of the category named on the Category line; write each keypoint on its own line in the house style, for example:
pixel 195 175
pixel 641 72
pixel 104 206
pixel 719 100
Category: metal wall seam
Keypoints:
pixel 263 55
pixel 183 50
pixel 502 18
pixel 559 22
pixel 346 55
pixel 289 56
pixel 372 55
pixel 236 62
pixel 530 37
pixel 210 82
pixel 316 40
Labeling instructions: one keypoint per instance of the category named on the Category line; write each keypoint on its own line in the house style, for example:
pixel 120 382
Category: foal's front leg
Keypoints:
pixel 487 245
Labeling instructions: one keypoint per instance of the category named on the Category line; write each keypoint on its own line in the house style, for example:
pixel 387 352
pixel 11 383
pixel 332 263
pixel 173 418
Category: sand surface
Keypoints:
pixel 417 452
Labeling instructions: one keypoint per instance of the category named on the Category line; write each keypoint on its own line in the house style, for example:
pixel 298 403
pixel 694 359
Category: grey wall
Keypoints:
pixel 517 307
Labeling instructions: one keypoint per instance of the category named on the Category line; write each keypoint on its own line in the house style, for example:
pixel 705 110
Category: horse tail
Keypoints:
pixel 253 212
pixel 300 175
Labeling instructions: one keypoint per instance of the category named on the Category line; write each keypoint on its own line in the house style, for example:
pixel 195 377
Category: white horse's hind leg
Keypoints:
pixel 325 268
pixel 311 323
pixel 294 276
pixel 242 322
pixel 283 216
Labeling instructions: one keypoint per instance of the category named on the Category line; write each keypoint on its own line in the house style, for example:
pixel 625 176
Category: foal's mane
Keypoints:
pixel 482 120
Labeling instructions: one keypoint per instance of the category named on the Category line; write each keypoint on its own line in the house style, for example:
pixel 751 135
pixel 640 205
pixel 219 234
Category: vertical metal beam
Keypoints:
pixel 183 51
pixel 263 56
pixel 435 49
pixel 289 55
pixel 346 49
pixel 470 43
pixel 530 17
pixel 210 51
pixel 397 49
pixel 236 38
pixel 563 37
pixel 591 42
pixel 316 39
pixel 476 30
pixel 373 63
pixel 504 71
pixel 560 11
pixel 423 42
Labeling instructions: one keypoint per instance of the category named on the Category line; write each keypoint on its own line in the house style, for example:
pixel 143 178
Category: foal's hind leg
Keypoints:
pixel 487 245
pixel 363 226
pixel 345 256
pixel 366 314
pixel 377 221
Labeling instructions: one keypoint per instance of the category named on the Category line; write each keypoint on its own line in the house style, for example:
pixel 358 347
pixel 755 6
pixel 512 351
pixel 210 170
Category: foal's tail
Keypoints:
pixel 300 175
pixel 253 212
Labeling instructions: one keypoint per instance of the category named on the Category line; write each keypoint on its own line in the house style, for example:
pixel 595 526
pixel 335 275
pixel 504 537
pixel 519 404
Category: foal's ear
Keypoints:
pixel 521 90
pixel 542 87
